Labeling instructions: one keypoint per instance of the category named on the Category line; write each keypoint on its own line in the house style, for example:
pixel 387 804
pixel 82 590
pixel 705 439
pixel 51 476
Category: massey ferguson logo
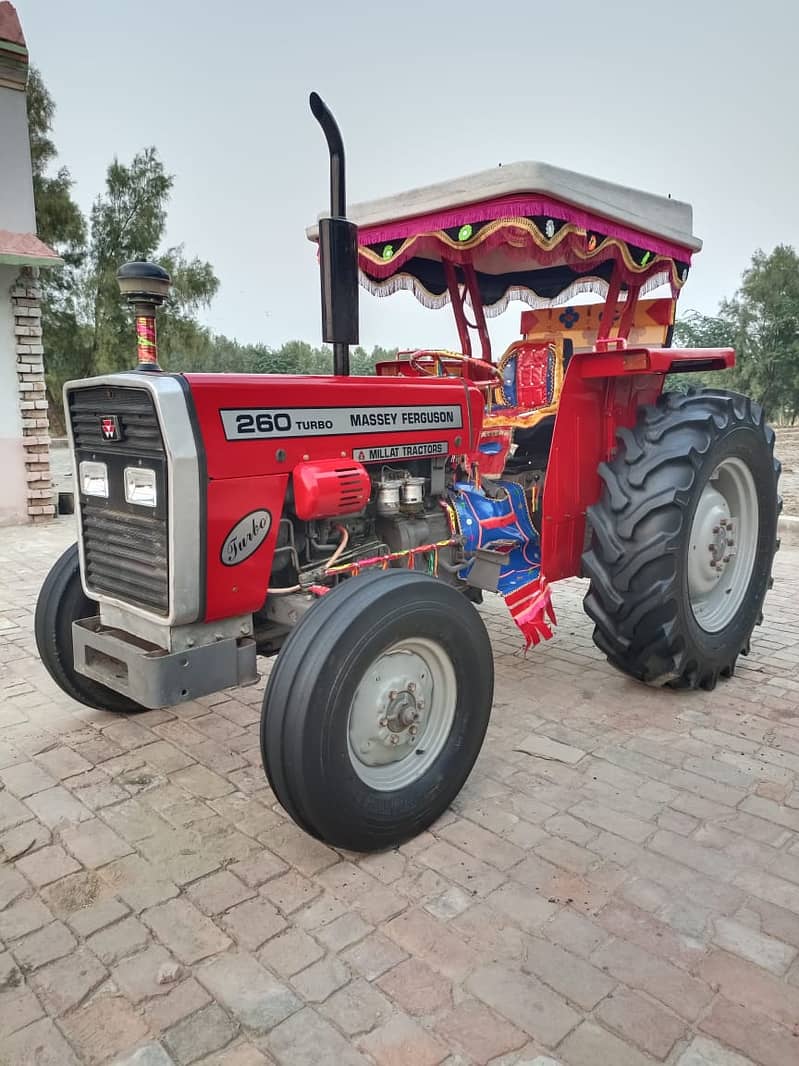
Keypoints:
pixel 109 428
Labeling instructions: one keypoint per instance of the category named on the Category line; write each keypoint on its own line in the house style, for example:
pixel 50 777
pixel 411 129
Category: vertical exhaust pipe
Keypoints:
pixel 338 251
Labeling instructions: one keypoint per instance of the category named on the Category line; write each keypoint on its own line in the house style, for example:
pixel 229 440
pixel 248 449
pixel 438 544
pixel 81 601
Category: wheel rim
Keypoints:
pixel 402 714
pixel 723 545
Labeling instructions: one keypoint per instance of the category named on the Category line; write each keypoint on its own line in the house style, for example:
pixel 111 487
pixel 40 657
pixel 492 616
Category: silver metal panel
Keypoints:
pixel 185 578
pixel 153 677
pixel 174 638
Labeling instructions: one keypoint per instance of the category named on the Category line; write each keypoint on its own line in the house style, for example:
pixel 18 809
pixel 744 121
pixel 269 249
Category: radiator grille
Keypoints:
pixel 125 546
pixel 134 408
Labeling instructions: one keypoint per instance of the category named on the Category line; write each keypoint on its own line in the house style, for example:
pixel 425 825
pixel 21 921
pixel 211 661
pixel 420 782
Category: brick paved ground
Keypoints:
pixel 617 885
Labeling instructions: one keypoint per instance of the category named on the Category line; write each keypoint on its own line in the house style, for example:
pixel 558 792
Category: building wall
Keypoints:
pixel 13 479
pixel 16 189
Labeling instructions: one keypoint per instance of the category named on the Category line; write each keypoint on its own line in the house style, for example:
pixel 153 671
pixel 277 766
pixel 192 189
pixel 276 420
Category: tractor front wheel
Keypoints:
pixel 61 602
pixel 376 709
pixel 683 539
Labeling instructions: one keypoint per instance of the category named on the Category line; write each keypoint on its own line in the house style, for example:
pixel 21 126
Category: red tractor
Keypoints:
pixel 350 524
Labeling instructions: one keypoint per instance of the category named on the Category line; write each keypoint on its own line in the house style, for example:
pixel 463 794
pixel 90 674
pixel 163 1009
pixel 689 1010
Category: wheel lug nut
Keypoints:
pixel 384 722
pixel 393 694
pixel 420 706
pixel 411 686
pixel 716 529
pixel 413 730
pixel 395 739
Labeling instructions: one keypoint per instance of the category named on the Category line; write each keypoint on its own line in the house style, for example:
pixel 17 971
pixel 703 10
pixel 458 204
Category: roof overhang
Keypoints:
pixel 25 249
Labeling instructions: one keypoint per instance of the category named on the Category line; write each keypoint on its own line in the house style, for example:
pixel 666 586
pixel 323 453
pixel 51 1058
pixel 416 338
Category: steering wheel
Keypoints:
pixel 436 366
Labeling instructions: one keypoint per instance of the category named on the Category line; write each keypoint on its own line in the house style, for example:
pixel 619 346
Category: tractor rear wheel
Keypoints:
pixel 61 602
pixel 683 539
pixel 376 709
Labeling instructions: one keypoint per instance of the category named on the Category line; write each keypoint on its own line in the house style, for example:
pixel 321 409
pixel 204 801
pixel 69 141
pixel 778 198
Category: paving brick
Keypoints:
pixel 623 825
pixel 40 1044
pixel 51 942
pixel 569 856
pixel 218 892
pixel 149 1054
pixel 525 1002
pixel 290 892
pixel 133 821
pixel 775 890
pixel 208 1030
pixel 706 860
pixel 94 844
pixel 12 885
pixel 357 1008
pixel 641 1021
pixel 47 865
pixel 307 1039
pixel 769 811
pixel 472 874
pixel 573 977
pixel 482 844
pixel 638 968
pixel 574 932
pixel 765 951
pixel 743 982
pixel 348 929
pixel 636 925
pixel 290 952
pixel 23 917
pixel 165 756
pixel 63 984
pixel 704 1052
pixel 259 868
pixel 185 931
pixel 320 980
pixel 137 976
pixel 239 1054
pixel 57 807
pixel 752 1034
pixel 200 781
pixel 402 1040
pixel 12 812
pixel 564 825
pixel 590 1044
pixel 253 922
pixel 114 943
pixel 421 935
pixel 523 906
pixel 478 1032
pixel 163 1011
pixel 543 747
pixel 255 997
pixel 23 779
pixel 417 988
pixel 138 882
pixel 62 762
pixel 18 1009
pixel 103 1027
pixel 182 855
pixel 373 956
pixel 301 851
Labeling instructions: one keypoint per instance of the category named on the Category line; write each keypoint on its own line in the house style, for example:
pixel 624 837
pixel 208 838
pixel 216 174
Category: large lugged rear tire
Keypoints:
pixel 683 539
pixel 376 709
pixel 61 602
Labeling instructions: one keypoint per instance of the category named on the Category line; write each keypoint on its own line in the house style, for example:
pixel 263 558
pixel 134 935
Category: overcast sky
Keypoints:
pixel 697 99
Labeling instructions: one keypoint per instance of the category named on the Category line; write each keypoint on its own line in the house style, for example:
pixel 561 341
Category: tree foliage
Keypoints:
pixel 762 323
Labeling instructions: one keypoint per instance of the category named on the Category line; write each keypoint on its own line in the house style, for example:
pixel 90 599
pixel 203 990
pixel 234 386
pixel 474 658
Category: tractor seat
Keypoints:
pixel 528 372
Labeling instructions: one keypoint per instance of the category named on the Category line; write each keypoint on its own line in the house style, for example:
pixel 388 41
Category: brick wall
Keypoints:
pixel 26 308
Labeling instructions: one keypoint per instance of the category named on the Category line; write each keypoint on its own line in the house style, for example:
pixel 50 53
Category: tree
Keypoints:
pixel 87 328
pixel 61 225
pixel 764 315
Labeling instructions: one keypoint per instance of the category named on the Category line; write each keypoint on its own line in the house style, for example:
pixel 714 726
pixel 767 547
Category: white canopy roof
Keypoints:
pixel 657 215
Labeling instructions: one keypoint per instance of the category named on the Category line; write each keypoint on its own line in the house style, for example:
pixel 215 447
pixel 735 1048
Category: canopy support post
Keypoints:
pixel 477 306
pixel 629 312
pixel 456 299
pixel 608 311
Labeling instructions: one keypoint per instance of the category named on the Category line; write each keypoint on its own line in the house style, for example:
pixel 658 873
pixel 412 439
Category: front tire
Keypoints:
pixel 683 539
pixel 61 602
pixel 376 709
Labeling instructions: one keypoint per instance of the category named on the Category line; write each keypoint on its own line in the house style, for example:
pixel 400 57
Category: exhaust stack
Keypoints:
pixel 145 286
pixel 338 251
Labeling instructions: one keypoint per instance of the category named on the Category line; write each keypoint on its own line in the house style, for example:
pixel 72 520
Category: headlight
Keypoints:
pixel 93 479
pixel 140 486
